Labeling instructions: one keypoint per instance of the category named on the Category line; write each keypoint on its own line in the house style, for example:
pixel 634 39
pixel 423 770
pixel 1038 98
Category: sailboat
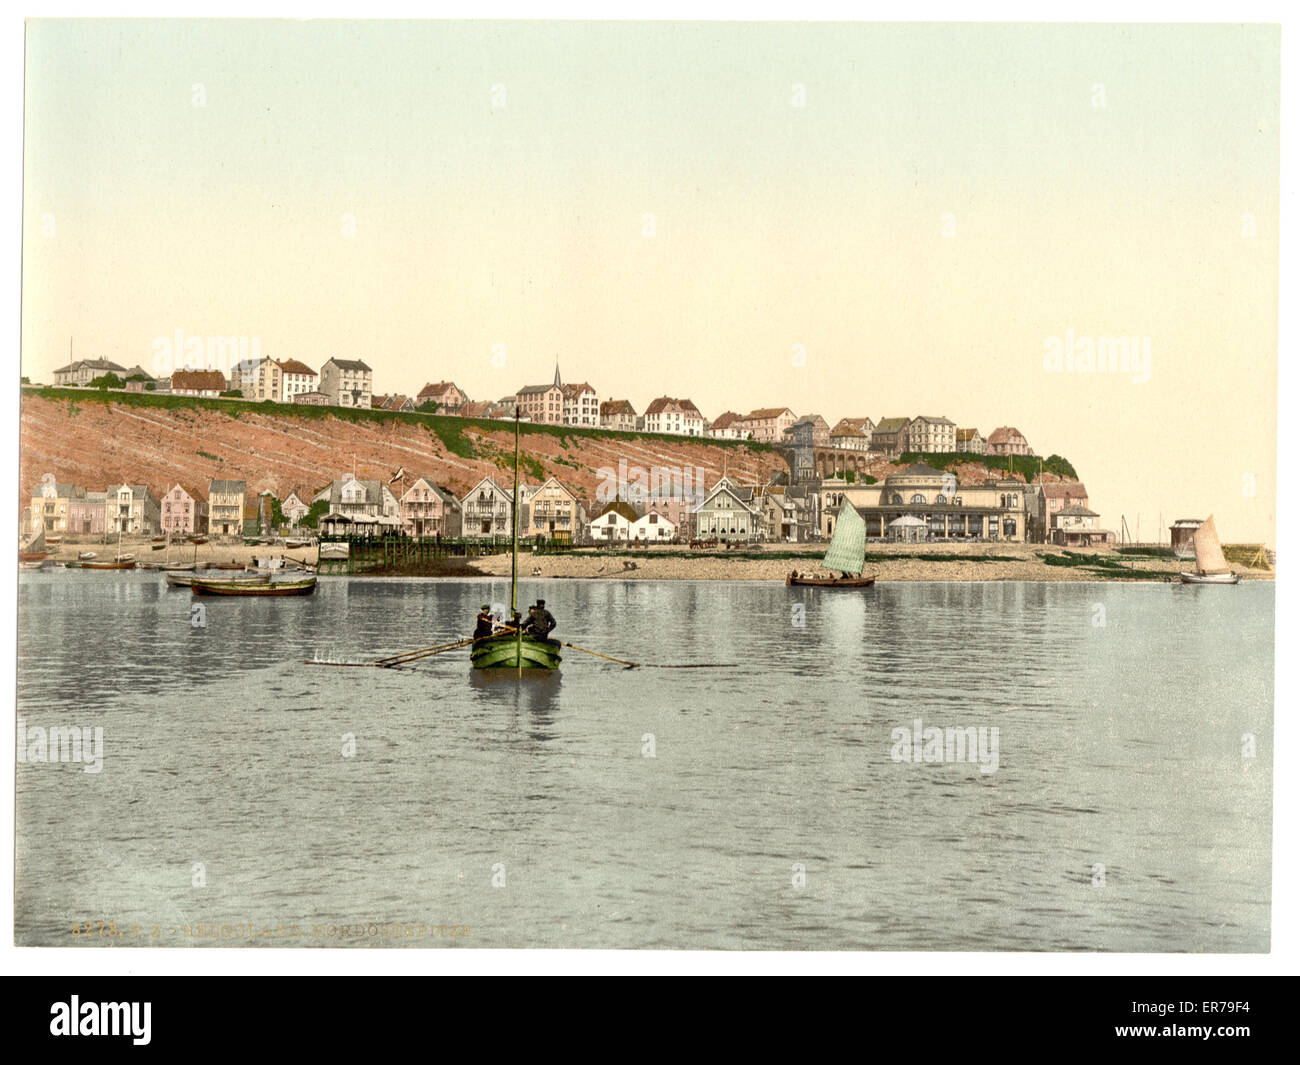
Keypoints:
pixel 34 549
pixel 846 555
pixel 514 648
pixel 121 562
pixel 1211 566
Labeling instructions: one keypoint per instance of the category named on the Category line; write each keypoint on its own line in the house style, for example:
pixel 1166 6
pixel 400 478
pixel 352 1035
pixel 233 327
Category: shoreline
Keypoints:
pixel 955 563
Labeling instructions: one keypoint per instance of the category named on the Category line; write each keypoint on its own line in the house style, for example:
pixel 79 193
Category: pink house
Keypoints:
pixel 184 510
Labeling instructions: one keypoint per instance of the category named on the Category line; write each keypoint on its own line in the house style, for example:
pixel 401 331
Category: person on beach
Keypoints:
pixel 484 622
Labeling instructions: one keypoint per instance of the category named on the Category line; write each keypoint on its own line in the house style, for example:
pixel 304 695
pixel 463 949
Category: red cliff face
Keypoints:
pixel 97 444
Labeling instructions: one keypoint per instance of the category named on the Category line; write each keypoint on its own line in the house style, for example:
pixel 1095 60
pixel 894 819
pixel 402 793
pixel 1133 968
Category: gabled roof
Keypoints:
pixel 620 507
pixel 964 435
pixel 1005 434
pixel 534 390
pixel 1069 490
pixel 933 420
pixel 438 389
pixel 1076 511
pixel 226 487
pixel 725 420
pixel 572 390
pixel 294 366
pixel 767 412
pixel 892 425
pixel 350 364
pixel 616 406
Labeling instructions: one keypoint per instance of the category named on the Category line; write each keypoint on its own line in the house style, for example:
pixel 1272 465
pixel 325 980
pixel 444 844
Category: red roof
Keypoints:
pixel 294 366
pixel 198 381
pixel 1004 434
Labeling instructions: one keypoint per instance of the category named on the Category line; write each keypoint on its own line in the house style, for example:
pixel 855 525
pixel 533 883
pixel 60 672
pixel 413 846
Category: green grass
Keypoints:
pixel 213 458
pixel 1025 465
pixel 454 428
pixel 1105 566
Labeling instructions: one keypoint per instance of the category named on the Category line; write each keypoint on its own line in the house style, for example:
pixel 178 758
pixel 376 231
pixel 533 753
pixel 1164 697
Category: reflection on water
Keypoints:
pixel 657 807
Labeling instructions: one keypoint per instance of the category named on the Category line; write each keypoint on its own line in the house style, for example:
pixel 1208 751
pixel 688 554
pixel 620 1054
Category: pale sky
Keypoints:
pixel 946 200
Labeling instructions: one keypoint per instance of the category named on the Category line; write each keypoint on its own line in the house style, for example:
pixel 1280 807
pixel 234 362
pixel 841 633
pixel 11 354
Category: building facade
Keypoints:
pixel 226 507
pixel 347 383
pixel 1007 440
pixel 132 508
pixel 184 511
pixel 83 371
pixel 206 383
pixel 296 379
pixel 618 414
pixel 931 435
pixel 450 399
pixel 581 405
pixel 767 425
pixel 485 511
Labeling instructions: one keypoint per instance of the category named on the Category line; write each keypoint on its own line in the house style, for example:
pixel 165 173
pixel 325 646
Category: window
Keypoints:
pixel 918 498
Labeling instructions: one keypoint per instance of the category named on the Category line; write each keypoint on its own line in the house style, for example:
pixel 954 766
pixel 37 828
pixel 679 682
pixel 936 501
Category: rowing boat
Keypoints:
pixel 179 579
pixel 245 586
pixel 515 651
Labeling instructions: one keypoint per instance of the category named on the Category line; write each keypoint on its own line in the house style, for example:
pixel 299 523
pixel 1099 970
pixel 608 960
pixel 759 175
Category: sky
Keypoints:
pixel 847 219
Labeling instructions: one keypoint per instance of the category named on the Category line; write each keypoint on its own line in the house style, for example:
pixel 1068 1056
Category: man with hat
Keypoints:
pixel 540 622
pixel 484 622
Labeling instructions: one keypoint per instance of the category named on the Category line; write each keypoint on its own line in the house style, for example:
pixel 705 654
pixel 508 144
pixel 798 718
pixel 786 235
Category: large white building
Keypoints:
pixel 347 382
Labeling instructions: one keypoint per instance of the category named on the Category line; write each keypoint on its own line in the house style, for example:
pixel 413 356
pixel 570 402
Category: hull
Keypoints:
pixel 1209 578
pixel 205 586
pixel 505 652
pixel 108 565
pixel 31 556
pixel 830 582
pixel 178 579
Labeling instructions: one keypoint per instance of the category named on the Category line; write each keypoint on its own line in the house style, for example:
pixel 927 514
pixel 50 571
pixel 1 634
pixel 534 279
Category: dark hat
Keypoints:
pixel 541 602
pixel 486 606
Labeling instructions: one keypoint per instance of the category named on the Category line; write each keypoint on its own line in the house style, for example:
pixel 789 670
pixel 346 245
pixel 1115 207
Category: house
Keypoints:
pixel 131 508
pixel 252 517
pixel 552 511
pixel 267 383
pixel 208 383
pixel 226 507
pixel 727 426
pixel 423 510
pixel 51 507
pixel 581 405
pixel 450 399
pixel 932 435
pixel 970 441
pixel 312 399
pixel 293 508
pixel 789 513
pixel 890 437
pixel 83 371
pixel 136 373
pixel 1048 500
pixel 358 500
pixel 1076 526
pixel 396 402
pixel 184 510
pixel 920 503
pixel 653 527
pixel 543 404
pixel 618 414
pixel 1007 440
pixel 614 523
pixel 767 425
pixel 347 382
pixel 729 512
pixel 485 511
pixel 852 434
pixel 452 518
pixel 504 409
pixel 476 409
pixel 678 417
pixel 87 513
pixel 243 377
pixel 819 434
pixel 296 379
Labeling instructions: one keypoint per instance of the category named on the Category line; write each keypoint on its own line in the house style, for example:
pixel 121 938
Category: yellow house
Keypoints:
pixel 551 511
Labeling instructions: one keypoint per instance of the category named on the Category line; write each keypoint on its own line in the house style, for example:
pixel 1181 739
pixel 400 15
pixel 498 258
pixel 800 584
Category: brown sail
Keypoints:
pixel 1209 555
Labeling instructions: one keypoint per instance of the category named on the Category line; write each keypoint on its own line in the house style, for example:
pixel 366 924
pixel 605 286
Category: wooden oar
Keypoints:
pixel 611 658
pixel 429 652
pixel 652 665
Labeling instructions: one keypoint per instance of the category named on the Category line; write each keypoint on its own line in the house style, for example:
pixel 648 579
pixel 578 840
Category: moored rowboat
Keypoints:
pixel 245 586
pixel 181 579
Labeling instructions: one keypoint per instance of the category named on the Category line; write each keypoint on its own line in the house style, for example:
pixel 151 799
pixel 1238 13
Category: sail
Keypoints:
pixel 37 543
pixel 848 550
pixel 1209 555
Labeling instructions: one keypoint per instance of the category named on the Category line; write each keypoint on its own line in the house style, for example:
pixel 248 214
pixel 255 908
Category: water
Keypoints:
pixel 1122 814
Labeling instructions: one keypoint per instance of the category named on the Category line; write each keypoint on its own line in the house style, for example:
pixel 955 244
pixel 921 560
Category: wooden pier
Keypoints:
pixel 400 555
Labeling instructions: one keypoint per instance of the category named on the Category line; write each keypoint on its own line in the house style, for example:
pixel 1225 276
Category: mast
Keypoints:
pixel 514 525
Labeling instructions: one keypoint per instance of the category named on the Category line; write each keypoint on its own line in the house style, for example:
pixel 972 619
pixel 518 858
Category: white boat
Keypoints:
pixel 1211 566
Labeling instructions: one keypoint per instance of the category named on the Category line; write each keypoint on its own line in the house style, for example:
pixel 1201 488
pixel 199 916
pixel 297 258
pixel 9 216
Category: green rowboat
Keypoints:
pixel 510 652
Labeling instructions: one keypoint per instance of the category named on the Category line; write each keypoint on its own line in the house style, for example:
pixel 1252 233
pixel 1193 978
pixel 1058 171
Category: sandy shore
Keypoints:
pixel 975 563
pixel 897 562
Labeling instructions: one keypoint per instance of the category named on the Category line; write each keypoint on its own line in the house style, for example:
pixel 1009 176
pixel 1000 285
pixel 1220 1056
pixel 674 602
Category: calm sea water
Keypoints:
pixel 1122 815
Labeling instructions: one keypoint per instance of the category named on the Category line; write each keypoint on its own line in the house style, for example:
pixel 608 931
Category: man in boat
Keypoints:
pixel 540 621
pixel 484 622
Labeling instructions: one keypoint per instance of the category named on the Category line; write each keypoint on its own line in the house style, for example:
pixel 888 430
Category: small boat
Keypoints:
pixel 515 649
pixel 197 541
pixel 126 563
pixel 224 565
pixel 297 544
pixel 182 579
pixel 85 556
pixel 34 549
pixel 54 541
pixel 32 565
pixel 847 554
pixel 1211 566
pixel 244 586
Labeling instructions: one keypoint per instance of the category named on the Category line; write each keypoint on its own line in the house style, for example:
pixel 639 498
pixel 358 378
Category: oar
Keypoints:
pixel 429 652
pixel 653 665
